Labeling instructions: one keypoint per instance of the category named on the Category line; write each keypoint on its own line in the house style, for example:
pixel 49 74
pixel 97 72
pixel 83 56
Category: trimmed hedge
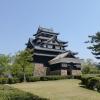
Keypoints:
pixel 84 79
pixel 8 93
pixel 94 83
pixel 91 82
pixel 36 78
pixel 9 80
pixel 32 79
pixel 47 78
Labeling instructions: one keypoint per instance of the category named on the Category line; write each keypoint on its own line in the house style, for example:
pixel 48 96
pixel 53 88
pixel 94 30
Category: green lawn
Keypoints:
pixel 59 90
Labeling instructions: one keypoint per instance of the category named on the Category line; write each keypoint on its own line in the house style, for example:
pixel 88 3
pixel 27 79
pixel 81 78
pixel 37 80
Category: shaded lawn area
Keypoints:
pixel 68 89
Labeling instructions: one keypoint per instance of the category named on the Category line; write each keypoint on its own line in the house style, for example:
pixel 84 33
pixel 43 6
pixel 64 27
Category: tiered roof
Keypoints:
pixel 48 37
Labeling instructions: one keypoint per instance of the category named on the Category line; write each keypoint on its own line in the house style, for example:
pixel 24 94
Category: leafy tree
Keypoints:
pixel 87 66
pixel 23 62
pixel 5 64
pixel 95 44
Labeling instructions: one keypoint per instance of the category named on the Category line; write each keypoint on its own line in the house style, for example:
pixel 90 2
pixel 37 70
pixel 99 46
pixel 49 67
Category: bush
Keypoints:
pixel 9 80
pixel 8 93
pixel 35 78
pixel 77 77
pixel 32 79
pixel 47 78
pixel 13 80
pixel 3 80
pixel 92 83
pixel 98 86
pixel 84 79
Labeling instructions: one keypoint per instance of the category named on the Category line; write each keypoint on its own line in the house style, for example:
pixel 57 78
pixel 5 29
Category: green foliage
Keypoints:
pixel 47 78
pixel 4 60
pixel 91 82
pixel 23 63
pixel 86 70
pixel 95 44
pixel 9 80
pixel 85 78
pixel 5 64
pixel 89 67
pixel 94 71
pixel 8 93
pixel 33 79
pixel 3 80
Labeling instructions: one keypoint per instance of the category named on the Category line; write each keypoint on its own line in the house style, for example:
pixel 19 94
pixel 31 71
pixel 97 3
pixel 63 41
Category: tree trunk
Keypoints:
pixel 24 77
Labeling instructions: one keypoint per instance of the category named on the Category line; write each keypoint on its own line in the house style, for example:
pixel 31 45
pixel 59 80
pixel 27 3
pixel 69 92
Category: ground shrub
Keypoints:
pixel 47 78
pixel 3 80
pixel 92 83
pixel 9 80
pixel 84 79
pixel 77 76
pixel 13 80
pixel 33 79
pixel 98 86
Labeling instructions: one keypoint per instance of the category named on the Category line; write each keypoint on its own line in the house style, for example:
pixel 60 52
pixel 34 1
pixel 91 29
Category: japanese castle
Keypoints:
pixel 50 55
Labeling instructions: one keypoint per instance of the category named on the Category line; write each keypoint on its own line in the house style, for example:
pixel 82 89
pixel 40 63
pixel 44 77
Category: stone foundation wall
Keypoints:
pixel 76 72
pixel 40 70
pixel 56 72
pixel 63 72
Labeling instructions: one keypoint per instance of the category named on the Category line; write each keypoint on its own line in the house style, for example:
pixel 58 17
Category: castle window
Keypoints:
pixel 57 47
pixel 53 46
pixel 38 40
pixel 64 65
pixel 44 45
pixel 62 48
pixel 50 46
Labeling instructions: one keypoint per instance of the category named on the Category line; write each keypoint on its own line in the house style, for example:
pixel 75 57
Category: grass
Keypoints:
pixel 9 93
pixel 59 90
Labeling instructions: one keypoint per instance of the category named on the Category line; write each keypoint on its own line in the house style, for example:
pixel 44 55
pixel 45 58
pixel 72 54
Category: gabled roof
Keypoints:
pixel 63 58
pixel 63 55
pixel 30 41
pixel 54 38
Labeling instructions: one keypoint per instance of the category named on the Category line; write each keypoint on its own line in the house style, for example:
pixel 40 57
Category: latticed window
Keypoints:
pixel 50 46
pixel 38 40
pixel 64 65
pixel 44 45
pixel 57 47
pixel 62 48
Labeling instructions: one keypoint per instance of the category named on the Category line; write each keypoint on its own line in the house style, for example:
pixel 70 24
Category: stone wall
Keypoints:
pixel 76 72
pixel 56 72
pixel 63 72
pixel 40 70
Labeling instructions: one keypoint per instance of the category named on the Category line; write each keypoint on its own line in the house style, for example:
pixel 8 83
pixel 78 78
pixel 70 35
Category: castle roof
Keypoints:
pixel 63 58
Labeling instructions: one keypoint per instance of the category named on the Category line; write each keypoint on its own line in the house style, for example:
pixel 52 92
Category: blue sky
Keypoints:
pixel 73 19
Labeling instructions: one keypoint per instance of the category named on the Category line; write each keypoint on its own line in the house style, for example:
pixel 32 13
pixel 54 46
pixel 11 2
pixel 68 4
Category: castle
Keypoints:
pixel 50 55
